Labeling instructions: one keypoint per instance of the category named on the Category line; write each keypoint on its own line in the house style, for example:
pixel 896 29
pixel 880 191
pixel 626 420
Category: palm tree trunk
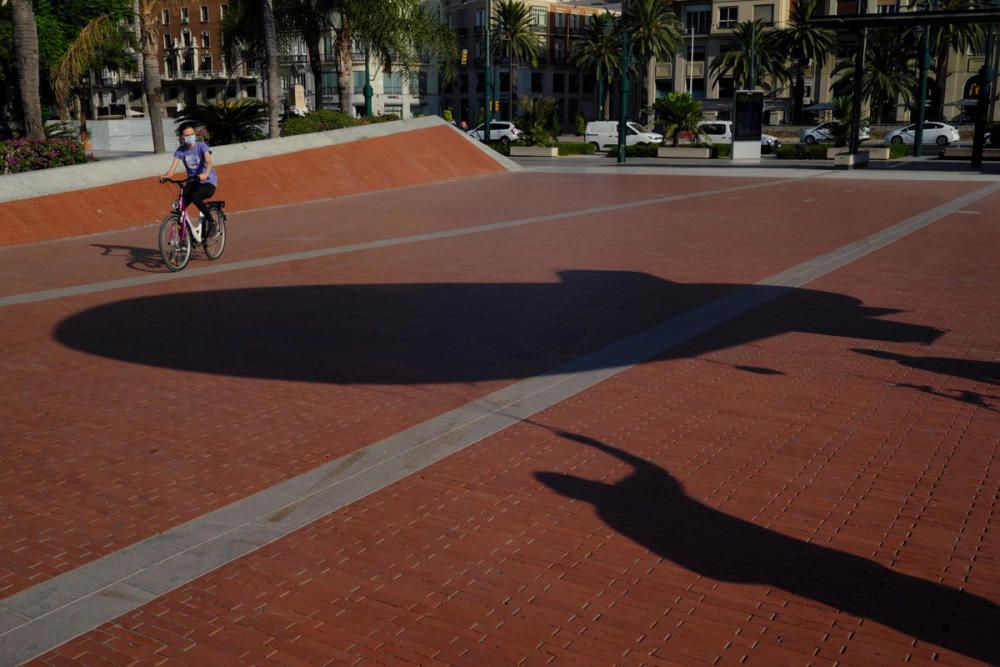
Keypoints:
pixel 651 81
pixel 798 88
pixel 26 50
pixel 345 67
pixel 271 49
pixel 316 65
pixel 151 84
pixel 940 81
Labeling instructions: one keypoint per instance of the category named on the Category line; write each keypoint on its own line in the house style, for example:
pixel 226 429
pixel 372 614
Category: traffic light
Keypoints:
pixel 496 106
pixel 465 56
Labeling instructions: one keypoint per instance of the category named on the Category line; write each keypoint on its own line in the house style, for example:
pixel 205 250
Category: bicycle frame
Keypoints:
pixel 181 207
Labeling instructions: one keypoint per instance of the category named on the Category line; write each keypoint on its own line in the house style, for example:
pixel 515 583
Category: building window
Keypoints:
pixel 329 85
pixel 418 84
pixel 764 14
pixel 558 83
pixel 184 15
pixel 168 41
pixel 204 13
pixel 560 21
pixel 698 19
pixel 728 16
pixel 536 82
pixel 887 6
pixel 539 18
pixel 392 83
pixel 222 11
pixel 205 40
pixel 574 23
pixel 185 37
pixel 206 62
pixel 359 81
pixel 727 87
pixel 210 93
pixel 559 51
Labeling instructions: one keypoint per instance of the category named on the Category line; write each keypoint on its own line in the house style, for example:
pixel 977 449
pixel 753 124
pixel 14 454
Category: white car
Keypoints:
pixel 824 133
pixel 721 132
pixel 500 130
pixel 602 134
pixel 934 133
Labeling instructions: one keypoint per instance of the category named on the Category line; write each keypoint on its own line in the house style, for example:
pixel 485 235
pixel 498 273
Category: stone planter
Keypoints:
pixel 851 160
pixel 878 153
pixel 534 151
pixel 684 152
pixel 832 153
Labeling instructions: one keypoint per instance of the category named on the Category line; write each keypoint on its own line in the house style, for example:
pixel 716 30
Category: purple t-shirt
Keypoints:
pixel 194 161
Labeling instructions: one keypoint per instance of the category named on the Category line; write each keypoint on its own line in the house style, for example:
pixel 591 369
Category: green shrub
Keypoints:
pixel 581 125
pixel 27 154
pixel 317 121
pixel 576 149
pixel 802 151
pixel 722 150
pixel 539 121
pixel 380 119
pixel 447 115
pixel 503 149
pixel 230 122
pixel 636 150
pixel 897 151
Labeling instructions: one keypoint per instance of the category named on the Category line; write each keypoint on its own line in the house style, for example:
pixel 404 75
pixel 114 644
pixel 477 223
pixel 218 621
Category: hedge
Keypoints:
pixel 576 149
pixel 636 150
pixel 802 151
pixel 897 151
pixel 317 121
pixel 27 154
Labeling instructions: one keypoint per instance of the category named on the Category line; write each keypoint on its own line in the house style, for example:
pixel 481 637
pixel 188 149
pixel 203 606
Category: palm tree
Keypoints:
pixel 271 53
pixel 653 33
pixel 680 112
pixel 945 38
pixel 513 31
pixel 749 48
pixel 103 34
pixel 804 43
pixel 888 74
pixel 600 51
pixel 310 20
pixel 25 35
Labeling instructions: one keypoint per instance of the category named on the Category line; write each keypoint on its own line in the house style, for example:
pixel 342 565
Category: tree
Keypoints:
pixel 804 43
pixel 25 36
pixel 513 32
pixel 680 112
pixel 888 74
pixel 271 51
pixel 600 51
pixel 310 20
pixel 653 35
pixel 943 39
pixel 750 47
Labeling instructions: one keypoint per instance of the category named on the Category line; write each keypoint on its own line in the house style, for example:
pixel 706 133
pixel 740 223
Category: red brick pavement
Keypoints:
pixel 805 418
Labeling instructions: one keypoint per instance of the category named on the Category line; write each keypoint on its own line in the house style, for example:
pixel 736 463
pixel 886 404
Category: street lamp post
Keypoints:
pixel 925 62
pixel 753 57
pixel 986 76
pixel 368 86
pixel 690 29
pixel 488 74
pixel 600 92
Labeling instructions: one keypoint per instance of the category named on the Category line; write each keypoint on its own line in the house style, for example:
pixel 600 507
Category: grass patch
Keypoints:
pixel 576 149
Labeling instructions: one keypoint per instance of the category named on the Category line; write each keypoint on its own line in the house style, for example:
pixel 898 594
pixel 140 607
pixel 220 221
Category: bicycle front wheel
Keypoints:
pixel 175 244
pixel 214 245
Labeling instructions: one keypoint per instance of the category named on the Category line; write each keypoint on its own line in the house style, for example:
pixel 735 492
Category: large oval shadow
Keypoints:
pixel 435 333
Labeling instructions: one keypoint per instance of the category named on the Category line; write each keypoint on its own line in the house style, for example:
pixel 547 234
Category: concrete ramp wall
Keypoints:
pixel 118 194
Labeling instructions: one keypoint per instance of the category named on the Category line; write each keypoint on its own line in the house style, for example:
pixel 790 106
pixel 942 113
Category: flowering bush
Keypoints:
pixel 27 154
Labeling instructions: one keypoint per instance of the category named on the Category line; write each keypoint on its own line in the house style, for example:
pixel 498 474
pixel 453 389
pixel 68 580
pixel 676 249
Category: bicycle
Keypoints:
pixel 177 231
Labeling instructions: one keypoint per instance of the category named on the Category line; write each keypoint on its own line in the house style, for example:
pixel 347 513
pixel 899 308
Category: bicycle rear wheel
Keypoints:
pixel 214 245
pixel 175 245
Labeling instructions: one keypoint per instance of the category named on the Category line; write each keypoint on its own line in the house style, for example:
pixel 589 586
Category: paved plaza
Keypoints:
pixel 584 415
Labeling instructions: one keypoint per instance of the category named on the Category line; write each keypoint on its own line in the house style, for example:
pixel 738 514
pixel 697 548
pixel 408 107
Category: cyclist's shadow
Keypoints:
pixel 650 507
pixel 140 259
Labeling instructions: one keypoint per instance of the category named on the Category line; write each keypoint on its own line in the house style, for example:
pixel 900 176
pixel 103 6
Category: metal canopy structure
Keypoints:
pixel 860 23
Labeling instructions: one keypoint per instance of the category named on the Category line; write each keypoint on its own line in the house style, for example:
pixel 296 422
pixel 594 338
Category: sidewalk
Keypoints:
pixel 768 438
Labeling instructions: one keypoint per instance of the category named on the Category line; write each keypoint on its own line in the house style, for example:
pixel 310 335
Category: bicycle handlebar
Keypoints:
pixel 164 179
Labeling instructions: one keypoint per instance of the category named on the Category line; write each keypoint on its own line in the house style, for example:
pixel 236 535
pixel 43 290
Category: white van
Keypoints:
pixel 603 134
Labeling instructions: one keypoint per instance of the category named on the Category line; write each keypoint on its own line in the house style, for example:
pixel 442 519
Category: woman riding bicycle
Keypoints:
pixel 202 178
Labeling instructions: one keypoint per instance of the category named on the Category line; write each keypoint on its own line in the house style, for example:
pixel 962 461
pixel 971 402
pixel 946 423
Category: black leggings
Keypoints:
pixel 196 192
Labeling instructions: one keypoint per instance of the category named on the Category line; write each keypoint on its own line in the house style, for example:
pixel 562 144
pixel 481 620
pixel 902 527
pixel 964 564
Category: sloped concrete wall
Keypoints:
pixel 118 194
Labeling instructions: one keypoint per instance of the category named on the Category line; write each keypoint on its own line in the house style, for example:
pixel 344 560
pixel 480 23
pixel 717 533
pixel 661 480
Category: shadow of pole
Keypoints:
pixel 140 259
pixel 650 507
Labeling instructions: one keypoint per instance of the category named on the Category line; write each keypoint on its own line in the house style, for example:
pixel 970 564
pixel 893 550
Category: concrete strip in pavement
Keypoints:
pixel 47 615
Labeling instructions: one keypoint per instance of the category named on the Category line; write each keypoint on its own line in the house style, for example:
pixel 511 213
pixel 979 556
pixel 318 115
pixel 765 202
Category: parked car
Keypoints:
pixel 500 130
pixel 934 133
pixel 603 134
pixel 824 133
pixel 721 132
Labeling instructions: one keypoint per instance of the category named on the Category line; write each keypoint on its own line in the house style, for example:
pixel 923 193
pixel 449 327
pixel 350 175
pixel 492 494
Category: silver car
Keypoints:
pixel 500 130
pixel 934 133
pixel 824 133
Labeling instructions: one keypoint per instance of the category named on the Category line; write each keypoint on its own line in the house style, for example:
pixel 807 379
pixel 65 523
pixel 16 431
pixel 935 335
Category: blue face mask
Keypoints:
pixel 190 140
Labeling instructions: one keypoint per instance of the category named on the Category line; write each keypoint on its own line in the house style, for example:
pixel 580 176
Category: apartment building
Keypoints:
pixel 558 24
pixel 193 69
